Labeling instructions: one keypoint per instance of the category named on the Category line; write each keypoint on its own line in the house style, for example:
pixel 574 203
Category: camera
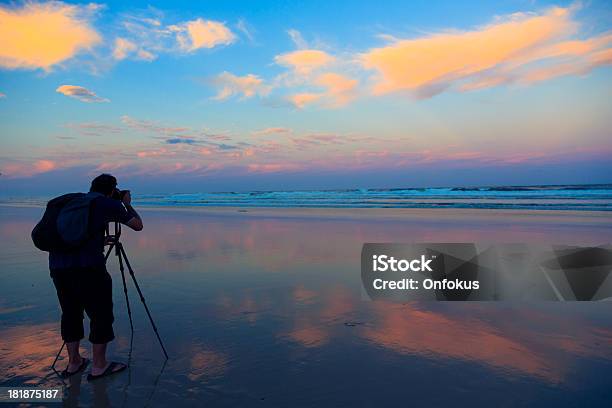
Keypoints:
pixel 118 194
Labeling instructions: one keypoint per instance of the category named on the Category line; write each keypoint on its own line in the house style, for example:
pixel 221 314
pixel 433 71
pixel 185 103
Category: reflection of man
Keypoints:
pixel 83 284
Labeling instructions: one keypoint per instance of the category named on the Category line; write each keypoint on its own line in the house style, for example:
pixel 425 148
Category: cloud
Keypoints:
pixel 271 131
pixel 340 89
pixel 302 99
pixel 200 33
pixel 522 48
pixel 243 27
pixel 297 39
pixel 180 140
pixel 2 95
pixel 316 140
pixel 125 48
pixel 303 62
pixel 272 167
pixel 21 169
pixel 145 36
pixel 41 35
pixel 94 128
pixel 43 166
pixel 80 93
pixel 155 153
pixel 181 136
pixel 152 127
pixel 247 86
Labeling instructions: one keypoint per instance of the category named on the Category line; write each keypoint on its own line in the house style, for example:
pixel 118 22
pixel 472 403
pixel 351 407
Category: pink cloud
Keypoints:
pixel 271 167
pixel 271 131
pixel 43 166
pixel 21 169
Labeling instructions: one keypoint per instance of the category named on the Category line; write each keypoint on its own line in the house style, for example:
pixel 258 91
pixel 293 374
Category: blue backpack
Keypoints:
pixel 65 223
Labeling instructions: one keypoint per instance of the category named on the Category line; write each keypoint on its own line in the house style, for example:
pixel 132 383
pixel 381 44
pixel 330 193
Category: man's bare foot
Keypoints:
pixel 74 365
pixel 110 368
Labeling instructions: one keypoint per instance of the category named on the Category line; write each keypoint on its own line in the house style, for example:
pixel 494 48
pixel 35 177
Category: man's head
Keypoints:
pixel 104 184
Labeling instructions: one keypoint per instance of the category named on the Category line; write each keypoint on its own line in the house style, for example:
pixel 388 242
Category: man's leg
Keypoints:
pixel 74 356
pixel 99 358
pixel 99 308
pixel 69 298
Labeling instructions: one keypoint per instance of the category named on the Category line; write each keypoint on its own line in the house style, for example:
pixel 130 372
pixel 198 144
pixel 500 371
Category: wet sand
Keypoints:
pixel 263 306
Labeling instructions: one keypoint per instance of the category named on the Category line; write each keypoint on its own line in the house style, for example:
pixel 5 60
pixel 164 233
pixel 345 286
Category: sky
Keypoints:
pixel 179 96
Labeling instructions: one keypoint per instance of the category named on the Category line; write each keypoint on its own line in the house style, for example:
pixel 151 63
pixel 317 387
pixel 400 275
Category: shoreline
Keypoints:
pixel 422 214
pixel 407 214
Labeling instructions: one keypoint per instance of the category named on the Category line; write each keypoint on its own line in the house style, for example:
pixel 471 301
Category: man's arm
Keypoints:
pixel 135 222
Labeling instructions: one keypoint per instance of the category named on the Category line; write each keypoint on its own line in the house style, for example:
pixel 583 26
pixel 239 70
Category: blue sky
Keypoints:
pixel 240 95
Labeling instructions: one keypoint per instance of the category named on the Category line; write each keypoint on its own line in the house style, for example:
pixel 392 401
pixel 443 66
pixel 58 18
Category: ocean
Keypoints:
pixel 584 197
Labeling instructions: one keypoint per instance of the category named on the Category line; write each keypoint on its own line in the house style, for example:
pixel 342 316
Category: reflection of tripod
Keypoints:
pixel 121 255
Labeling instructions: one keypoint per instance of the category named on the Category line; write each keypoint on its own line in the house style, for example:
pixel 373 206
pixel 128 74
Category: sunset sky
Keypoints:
pixel 220 96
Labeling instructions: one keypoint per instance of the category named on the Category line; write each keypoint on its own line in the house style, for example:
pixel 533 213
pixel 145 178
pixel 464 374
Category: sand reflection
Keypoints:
pixel 205 363
pixel 407 329
pixel 28 351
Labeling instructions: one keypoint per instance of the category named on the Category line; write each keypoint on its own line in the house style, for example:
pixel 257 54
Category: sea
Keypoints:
pixel 575 197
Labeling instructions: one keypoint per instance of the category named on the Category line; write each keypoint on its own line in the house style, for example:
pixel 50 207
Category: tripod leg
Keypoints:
pixel 127 300
pixel 57 356
pixel 110 248
pixel 142 299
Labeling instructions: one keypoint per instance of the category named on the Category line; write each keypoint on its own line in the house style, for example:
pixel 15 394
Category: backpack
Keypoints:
pixel 65 223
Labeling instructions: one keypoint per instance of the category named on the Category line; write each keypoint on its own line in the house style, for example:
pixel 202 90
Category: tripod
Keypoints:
pixel 122 257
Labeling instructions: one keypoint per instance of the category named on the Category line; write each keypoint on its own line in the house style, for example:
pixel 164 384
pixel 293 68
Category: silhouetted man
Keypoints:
pixel 83 284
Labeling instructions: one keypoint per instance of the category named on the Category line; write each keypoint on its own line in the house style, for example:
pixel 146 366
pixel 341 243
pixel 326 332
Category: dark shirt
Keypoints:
pixel 91 253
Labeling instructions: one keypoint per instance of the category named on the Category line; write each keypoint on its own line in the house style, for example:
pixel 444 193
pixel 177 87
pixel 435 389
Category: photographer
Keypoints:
pixel 83 284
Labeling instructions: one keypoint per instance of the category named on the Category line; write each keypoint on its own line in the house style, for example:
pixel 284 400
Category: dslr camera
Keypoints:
pixel 118 194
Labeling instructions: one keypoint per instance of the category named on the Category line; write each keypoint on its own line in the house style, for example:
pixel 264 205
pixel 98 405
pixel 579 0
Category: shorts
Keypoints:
pixel 88 289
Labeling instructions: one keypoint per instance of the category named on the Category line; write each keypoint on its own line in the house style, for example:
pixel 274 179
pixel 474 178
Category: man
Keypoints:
pixel 83 284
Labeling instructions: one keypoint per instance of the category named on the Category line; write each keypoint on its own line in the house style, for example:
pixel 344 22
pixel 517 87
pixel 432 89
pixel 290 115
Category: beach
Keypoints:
pixel 265 306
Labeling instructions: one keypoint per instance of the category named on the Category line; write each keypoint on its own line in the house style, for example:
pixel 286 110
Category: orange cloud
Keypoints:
pixel 41 35
pixel 304 61
pixel 247 86
pixel 340 89
pixel 499 53
pixel 200 33
pixel 80 93
pixel 302 99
